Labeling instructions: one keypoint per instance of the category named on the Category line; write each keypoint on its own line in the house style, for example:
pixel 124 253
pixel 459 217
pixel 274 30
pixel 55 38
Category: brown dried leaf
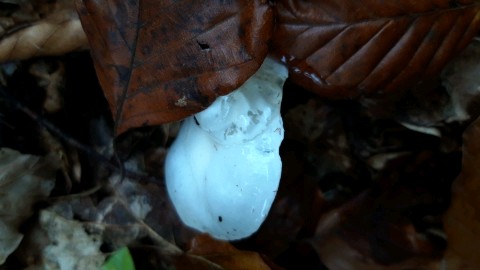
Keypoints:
pixel 57 34
pixel 348 48
pixel 160 61
pixel 188 262
pixel 15 15
pixel 462 220
pixel 226 255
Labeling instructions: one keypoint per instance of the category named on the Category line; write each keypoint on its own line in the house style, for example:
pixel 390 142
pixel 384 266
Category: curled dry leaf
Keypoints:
pixel 17 14
pixel 160 61
pixel 349 48
pixel 57 34
pixel 462 220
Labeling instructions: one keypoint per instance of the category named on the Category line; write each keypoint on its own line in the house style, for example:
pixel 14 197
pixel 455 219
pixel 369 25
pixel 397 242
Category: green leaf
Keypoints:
pixel 120 260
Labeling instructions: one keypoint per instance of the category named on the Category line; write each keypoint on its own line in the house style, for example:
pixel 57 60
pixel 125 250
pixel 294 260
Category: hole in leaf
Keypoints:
pixel 203 46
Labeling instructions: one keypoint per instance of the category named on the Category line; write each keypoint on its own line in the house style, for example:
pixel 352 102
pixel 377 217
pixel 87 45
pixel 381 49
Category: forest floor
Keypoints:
pixel 387 183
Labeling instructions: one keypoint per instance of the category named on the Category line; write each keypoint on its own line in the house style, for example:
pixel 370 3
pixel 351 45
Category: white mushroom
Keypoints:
pixel 223 170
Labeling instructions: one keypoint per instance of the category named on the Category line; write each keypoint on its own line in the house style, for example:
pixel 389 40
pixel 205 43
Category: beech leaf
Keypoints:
pixel 226 255
pixel 342 48
pixel 160 61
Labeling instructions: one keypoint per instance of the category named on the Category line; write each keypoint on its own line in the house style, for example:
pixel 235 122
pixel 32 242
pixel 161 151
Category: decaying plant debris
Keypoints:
pixel 372 183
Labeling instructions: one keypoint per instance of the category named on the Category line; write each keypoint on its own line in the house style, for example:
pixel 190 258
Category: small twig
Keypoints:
pixel 73 142
pixel 76 195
